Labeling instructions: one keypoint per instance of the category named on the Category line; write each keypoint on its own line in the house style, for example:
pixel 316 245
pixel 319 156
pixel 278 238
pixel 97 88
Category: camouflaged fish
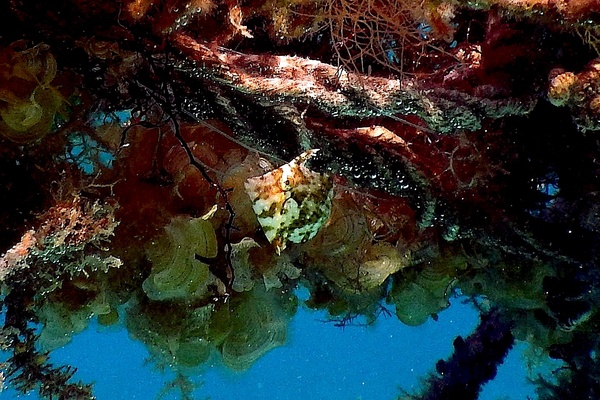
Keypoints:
pixel 291 202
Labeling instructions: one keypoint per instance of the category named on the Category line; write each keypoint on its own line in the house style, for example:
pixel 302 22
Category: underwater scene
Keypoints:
pixel 300 199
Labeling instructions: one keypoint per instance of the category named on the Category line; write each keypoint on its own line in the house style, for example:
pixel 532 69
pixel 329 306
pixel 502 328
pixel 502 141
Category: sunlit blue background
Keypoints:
pixel 320 361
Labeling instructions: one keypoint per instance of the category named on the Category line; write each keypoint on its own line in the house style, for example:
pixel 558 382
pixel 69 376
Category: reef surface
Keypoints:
pixel 180 167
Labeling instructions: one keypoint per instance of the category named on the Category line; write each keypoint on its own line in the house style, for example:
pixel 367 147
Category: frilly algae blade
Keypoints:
pixel 176 272
pixel 291 202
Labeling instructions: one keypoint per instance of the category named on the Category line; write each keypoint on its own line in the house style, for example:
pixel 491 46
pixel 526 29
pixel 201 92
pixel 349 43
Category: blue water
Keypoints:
pixel 320 361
